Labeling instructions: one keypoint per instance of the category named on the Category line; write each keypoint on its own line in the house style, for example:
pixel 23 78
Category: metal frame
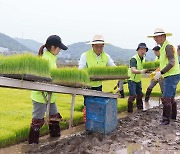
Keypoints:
pixel 28 85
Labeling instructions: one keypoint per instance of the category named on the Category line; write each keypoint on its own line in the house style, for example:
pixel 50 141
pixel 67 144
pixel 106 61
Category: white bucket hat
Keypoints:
pixel 97 39
pixel 159 31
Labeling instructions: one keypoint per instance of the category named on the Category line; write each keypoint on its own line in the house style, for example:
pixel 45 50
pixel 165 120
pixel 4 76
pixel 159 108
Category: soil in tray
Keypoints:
pixel 27 77
pixel 71 84
pixel 97 78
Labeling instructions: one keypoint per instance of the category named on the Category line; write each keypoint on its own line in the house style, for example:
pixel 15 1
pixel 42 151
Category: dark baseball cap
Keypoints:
pixel 156 48
pixel 56 41
pixel 178 47
pixel 142 45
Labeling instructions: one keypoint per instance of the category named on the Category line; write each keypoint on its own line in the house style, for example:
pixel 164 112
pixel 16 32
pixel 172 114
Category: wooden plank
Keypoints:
pixel 72 111
pixel 20 84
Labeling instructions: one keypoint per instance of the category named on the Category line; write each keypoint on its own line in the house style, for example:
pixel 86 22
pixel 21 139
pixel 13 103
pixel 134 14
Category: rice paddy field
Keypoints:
pixel 16 108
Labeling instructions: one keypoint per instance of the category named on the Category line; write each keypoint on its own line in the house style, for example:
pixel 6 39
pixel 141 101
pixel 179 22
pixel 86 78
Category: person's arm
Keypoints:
pixel 82 61
pixel 110 61
pixel 133 66
pixel 171 59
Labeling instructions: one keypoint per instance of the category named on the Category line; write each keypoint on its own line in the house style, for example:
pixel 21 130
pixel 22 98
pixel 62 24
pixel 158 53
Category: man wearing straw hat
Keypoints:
pixel 169 69
pixel 96 57
pixel 93 58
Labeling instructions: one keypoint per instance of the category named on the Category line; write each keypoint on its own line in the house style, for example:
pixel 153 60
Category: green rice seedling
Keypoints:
pixel 24 64
pixel 157 64
pixel 149 65
pixel 108 71
pixel 69 75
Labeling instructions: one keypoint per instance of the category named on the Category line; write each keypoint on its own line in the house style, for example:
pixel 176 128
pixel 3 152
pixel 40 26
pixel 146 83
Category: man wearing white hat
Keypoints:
pixel 169 69
pixel 93 58
pixel 96 57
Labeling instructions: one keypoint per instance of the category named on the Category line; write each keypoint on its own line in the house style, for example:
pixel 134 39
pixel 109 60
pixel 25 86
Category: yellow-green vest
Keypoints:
pixel 164 61
pixel 136 77
pixel 93 61
pixel 37 95
pixel 157 59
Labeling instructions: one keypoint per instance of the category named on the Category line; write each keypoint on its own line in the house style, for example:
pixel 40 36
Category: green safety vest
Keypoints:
pixel 136 77
pixel 37 95
pixel 157 59
pixel 164 61
pixel 93 61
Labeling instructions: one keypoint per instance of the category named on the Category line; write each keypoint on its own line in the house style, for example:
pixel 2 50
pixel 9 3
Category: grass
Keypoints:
pixel 106 71
pixel 151 65
pixel 24 64
pixel 16 110
pixel 72 75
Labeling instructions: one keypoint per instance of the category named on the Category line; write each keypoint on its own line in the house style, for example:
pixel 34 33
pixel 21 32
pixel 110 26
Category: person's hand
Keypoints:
pixel 157 75
pixel 143 71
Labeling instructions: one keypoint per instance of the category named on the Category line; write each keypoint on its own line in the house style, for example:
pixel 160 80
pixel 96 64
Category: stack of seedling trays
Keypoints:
pixel 71 77
pixel 151 66
pixel 25 67
pixel 108 73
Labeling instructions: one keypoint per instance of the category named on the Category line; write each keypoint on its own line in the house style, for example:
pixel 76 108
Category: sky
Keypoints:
pixel 123 23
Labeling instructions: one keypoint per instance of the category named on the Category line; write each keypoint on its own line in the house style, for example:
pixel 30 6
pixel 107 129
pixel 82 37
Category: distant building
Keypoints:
pixel 4 49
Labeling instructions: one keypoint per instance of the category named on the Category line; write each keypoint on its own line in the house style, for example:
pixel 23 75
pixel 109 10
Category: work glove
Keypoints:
pixel 157 75
pixel 143 71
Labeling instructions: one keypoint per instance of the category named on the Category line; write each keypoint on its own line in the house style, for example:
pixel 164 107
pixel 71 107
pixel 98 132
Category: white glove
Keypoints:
pixel 157 75
pixel 143 71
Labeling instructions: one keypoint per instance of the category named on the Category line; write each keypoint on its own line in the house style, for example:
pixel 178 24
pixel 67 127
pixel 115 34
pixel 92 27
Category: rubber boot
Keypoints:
pixel 148 93
pixel 139 101
pixel 130 103
pixel 167 108
pixel 54 127
pixel 174 109
pixel 84 114
pixel 34 131
pixel 122 93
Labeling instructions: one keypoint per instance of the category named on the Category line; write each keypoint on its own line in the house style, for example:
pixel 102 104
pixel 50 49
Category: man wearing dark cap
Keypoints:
pixel 135 73
pixel 154 82
pixel 178 52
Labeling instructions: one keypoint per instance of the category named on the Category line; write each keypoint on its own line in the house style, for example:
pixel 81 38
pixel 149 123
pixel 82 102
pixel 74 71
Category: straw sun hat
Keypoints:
pixel 159 31
pixel 97 39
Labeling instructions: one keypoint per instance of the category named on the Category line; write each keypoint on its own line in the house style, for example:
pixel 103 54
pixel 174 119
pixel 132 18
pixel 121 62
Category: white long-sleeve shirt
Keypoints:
pixel 82 61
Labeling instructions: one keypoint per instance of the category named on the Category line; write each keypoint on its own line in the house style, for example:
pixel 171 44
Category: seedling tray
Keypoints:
pixel 27 77
pixel 150 70
pixel 71 84
pixel 101 78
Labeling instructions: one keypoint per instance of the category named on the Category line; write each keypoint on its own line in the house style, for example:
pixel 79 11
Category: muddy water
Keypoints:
pixel 139 133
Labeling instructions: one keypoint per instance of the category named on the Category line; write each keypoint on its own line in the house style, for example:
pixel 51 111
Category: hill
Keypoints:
pixel 31 44
pixel 119 55
pixel 11 44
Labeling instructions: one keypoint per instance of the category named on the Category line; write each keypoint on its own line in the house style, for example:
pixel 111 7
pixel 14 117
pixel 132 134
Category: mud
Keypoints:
pixel 139 132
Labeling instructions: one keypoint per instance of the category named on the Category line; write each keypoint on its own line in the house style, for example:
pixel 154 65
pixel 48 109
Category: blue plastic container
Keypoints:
pixel 101 114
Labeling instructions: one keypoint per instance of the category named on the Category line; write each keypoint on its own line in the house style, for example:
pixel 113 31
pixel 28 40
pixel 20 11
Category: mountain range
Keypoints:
pixel 10 45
